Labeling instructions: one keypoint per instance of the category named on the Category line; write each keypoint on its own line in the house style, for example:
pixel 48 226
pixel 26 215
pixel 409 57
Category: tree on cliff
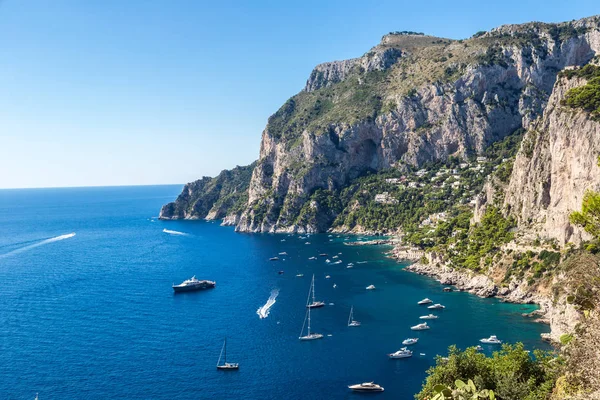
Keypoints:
pixel 589 217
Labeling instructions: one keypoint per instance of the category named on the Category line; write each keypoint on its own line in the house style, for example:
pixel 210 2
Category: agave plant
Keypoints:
pixel 463 391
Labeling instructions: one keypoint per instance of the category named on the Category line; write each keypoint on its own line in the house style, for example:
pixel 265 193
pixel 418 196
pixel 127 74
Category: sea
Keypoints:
pixel 87 309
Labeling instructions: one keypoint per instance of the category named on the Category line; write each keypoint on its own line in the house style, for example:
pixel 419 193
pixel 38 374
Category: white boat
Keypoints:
pixel 408 342
pixel 299 275
pixel 436 307
pixel 491 340
pixel 349 266
pixel 351 321
pixel 309 335
pixel 312 258
pixel 370 287
pixel 478 348
pixel 314 303
pixel 420 327
pixel 402 353
pixel 283 253
pixel 334 257
pixel 327 276
pixel 307 243
pixel 430 316
pixel 366 387
pixel 334 285
pixel 328 260
pixel 425 301
pixel 226 366
pixel 337 262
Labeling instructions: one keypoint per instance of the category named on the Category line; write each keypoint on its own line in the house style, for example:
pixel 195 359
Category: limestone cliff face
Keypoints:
pixel 211 198
pixel 411 100
pixel 554 167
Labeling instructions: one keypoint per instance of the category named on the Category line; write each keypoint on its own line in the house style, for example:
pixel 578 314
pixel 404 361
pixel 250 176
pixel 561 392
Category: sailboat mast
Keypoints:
pixel 308 333
pixel 225 345
pixel 313 288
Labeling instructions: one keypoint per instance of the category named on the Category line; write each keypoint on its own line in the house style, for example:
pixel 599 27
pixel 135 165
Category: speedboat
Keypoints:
pixel 299 275
pixel 420 327
pixel 307 243
pixel 408 342
pixel 371 287
pixel 192 284
pixel 366 387
pixel 283 253
pixel 349 266
pixel 436 306
pixel 335 257
pixel 425 301
pixel 273 258
pixel 337 262
pixel 478 348
pixel 323 255
pixel 327 276
pixel 312 258
pixel 328 260
pixel 430 316
pixel 402 353
pixel 491 340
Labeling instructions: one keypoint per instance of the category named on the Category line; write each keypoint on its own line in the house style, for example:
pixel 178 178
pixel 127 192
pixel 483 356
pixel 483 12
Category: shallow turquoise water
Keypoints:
pixel 93 316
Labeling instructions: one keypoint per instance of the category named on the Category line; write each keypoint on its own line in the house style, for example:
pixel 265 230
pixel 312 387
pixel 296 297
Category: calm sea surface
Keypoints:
pixel 93 316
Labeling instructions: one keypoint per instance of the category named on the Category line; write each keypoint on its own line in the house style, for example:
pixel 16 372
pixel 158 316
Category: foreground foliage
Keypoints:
pixel 511 373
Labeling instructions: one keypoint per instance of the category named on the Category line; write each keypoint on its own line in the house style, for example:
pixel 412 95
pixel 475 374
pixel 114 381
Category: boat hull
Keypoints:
pixel 193 288
pixel 315 305
pixel 313 336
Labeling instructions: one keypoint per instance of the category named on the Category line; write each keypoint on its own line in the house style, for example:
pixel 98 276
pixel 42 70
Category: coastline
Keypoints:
pixel 558 313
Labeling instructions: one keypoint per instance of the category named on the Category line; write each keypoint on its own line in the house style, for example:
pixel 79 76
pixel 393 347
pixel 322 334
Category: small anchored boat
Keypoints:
pixel 491 340
pixel 430 316
pixel 226 366
pixel 370 287
pixel 420 327
pixel 410 341
pixel 425 301
pixel 351 321
pixel 436 307
pixel 402 353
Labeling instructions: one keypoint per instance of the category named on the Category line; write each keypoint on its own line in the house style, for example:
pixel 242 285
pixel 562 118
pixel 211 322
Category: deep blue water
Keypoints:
pixel 93 316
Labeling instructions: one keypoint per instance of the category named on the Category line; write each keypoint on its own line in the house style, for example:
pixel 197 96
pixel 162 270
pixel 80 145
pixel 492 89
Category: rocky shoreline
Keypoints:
pixel 561 316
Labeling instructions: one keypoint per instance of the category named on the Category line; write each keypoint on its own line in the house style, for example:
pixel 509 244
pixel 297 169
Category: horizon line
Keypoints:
pixel 89 186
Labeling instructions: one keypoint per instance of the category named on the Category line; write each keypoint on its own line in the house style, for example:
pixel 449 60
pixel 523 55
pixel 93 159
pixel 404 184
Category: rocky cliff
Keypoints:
pixel 412 99
pixel 554 167
pixel 212 198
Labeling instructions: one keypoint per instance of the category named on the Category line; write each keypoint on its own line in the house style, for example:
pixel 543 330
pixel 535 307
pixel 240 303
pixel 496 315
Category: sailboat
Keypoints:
pixel 314 304
pixel 226 365
pixel 351 321
pixel 310 336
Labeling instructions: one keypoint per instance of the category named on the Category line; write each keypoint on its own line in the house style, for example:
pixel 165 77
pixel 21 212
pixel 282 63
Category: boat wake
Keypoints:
pixel 38 244
pixel 263 312
pixel 170 232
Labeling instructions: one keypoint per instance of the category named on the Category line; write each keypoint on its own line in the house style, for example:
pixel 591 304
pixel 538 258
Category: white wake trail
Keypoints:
pixel 38 244
pixel 170 232
pixel 263 312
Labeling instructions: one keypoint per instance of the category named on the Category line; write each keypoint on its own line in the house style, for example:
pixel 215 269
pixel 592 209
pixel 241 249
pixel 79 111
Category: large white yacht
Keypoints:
pixel 425 301
pixel 366 387
pixel 430 316
pixel 402 353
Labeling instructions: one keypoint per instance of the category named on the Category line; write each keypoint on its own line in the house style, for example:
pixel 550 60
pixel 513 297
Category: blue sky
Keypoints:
pixel 113 92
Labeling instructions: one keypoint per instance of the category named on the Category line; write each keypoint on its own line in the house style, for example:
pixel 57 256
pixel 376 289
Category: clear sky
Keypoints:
pixel 121 92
